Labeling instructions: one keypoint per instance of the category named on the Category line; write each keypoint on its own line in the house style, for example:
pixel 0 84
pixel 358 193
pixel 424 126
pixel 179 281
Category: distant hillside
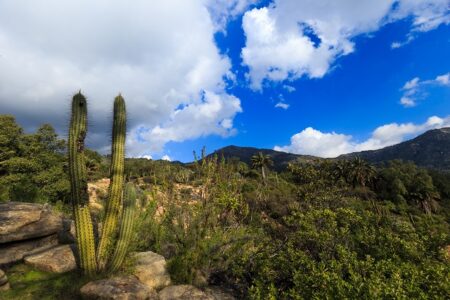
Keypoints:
pixel 430 150
pixel 280 159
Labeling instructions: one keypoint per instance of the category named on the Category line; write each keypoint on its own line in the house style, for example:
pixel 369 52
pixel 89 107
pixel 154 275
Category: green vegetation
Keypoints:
pixel 320 229
pixel 30 284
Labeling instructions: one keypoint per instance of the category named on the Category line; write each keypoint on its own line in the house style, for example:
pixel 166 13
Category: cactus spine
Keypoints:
pixel 126 227
pixel 114 204
pixel 78 179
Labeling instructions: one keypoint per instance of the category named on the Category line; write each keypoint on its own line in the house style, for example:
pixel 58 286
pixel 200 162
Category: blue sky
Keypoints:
pixel 308 77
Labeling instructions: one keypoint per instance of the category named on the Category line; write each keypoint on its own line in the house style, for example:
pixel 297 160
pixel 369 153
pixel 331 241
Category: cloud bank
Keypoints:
pixel 294 38
pixel 160 55
pixel 314 142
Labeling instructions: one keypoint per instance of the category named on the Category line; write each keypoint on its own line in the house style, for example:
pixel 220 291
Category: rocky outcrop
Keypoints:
pixel 151 270
pixel 183 292
pixel 4 284
pixel 118 288
pixel 16 251
pixel 59 259
pixel 22 221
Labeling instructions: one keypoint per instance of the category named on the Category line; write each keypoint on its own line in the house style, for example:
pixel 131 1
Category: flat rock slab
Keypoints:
pixel 14 252
pixel 183 292
pixel 21 221
pixel 219 294
pixel 118 288
pixel 151 270
pixel 59 259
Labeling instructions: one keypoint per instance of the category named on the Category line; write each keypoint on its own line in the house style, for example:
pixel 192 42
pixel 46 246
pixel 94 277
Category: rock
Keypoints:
pixel 67 235
pixel 151 270
pixel 14 252
pixel 219 294
pixel 120 288
pixel 59 259
pixel 183 292
pixel 4 284
pixel 21 221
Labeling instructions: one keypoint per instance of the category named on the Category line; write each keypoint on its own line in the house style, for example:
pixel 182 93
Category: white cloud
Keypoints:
pixel 314 142
pixel 294 38
pixel 166 158
pixel 224 10
pixel 149 157
pixel 170 72
pixel 282 105
pixel 407 102
pixel 415 89
pixel 289 88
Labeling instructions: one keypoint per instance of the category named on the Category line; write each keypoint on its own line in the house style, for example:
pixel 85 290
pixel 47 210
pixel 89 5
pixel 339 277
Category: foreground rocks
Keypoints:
pixel 4 284
pixel 59 259
pixel 151 270
pixel 22 221
pixel 15 252
pixel 183 292
pixel 118 288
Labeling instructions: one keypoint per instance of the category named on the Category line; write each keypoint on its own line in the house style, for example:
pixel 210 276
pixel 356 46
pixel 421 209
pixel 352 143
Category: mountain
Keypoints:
pixel 429 150
pixel 244 154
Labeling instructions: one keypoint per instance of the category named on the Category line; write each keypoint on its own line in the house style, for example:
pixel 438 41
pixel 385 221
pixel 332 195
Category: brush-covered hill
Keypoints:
pixel 244 154
pixel 429 150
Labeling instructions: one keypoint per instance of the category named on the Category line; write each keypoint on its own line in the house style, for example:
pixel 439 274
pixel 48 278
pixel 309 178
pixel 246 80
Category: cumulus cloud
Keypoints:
pixel 314 142
pixel 293 38
pixel 282 105
pixel 415 89
pixel 166 158
pixel 171 74
pixel 224 10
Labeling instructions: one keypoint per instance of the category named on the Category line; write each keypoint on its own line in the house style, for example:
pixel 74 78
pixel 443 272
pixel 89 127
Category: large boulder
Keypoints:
pixel 183 292
pixel 59 259
pixel 151 270
pixel 118 288
pixel 4 284
pixel 21 221
pixel 16 251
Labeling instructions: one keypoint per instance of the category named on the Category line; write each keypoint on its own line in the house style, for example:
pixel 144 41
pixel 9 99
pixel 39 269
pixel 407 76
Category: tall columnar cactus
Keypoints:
pixel 114 204
pixel 126 227
pixel 78 180
pixel 90 260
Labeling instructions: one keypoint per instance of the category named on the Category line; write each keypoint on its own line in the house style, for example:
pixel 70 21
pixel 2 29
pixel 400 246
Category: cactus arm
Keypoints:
pixel 113 206
pixel 126 228
pixel 78 179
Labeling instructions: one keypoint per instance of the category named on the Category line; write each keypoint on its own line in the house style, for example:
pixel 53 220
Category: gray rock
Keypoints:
pixel 21 221
pixel 14 252
pixel 151 270
pixel 183 292
pixel 219 294
pixel 4 284
pixel 118 288
pixel 59 259
pixel 68 234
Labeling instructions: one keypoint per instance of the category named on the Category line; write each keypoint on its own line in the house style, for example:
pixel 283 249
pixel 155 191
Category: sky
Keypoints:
pixel 317 77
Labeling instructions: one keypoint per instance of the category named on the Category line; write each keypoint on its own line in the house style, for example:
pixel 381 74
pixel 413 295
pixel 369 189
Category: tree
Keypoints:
pixel 360 172
pixel 262 162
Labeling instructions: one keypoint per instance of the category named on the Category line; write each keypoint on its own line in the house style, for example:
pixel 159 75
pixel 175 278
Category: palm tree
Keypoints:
pixel 263 162
pixel 360 172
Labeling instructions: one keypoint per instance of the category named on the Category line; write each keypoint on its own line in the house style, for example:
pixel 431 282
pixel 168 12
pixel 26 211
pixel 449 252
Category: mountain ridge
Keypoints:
pixel 430 150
